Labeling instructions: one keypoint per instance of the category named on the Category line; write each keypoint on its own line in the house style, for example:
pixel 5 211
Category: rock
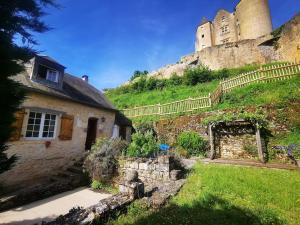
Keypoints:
pixel 175 175
pixel 131 175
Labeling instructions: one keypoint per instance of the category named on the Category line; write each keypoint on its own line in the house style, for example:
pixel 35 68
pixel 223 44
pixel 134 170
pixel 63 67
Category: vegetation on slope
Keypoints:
pixel 195 82
pixel 216 194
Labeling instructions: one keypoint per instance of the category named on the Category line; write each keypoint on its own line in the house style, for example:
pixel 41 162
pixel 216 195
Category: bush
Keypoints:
pixel 175 80
pixel 101 164
pixel 144 127
pixel 142 145
pixel 151 84
pixel 197 75
pixel 140 84
pixel 221 74
pixel 192 142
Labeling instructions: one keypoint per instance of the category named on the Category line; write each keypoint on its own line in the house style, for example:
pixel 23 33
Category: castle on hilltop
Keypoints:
pixel 251 19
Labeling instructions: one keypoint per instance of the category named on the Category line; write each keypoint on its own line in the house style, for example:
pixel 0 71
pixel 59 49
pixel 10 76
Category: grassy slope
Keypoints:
pixel 267 93
pixel 172 93
pixel 166 95
pixel 216 194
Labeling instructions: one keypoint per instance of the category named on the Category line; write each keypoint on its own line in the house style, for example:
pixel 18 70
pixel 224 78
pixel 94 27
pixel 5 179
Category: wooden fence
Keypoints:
pixel 275 72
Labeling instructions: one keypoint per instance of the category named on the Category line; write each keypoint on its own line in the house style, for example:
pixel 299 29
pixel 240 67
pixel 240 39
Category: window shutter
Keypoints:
pixel 17 125
pixel 66 128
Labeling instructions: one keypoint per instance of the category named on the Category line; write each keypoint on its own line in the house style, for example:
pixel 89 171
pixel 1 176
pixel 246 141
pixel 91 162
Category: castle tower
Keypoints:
pixel 204 35
pixel 253 19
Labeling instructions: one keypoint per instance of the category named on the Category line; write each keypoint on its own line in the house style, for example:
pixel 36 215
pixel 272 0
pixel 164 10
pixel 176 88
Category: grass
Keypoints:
pixel 166 95
pixel 97 185
pixel 223 195
pixel 171 93
pixel 278 92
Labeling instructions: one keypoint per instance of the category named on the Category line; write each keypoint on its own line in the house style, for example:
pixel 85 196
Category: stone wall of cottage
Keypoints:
pixel 36 162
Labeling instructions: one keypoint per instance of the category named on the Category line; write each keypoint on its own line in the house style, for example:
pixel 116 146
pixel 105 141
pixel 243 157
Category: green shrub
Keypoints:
pixel 175 80
pixel 192 142
pixel 142 145
pixel 221 74
pixel 145 126
pixel 151 84
pixel 101 164
pixel 197 75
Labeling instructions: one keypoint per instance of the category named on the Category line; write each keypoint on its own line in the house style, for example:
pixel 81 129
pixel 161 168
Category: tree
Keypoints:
pixel 18 19
pixel 138 73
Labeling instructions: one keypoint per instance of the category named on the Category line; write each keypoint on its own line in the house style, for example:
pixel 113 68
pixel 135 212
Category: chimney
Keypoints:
pixel 85 78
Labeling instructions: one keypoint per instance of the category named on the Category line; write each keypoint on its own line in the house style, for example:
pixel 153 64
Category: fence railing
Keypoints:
pixel 276 72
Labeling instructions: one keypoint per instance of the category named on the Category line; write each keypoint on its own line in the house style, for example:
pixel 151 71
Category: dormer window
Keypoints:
pixel 47 73
pixel 52 75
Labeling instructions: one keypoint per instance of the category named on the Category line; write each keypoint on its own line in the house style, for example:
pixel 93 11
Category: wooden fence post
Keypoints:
pixel 211 142
pixel 209 99
pixel 159 109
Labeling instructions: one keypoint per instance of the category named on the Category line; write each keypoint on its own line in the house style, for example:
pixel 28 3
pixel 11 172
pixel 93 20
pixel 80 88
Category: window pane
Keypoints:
pixel 32 114
pixel 38 115
pixel 30 121
pixel 49 126
pixel 33 124
pixel 42 72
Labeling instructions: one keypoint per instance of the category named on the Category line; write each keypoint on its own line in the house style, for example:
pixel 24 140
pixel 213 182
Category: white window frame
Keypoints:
pixel 54 72
pixel 40 137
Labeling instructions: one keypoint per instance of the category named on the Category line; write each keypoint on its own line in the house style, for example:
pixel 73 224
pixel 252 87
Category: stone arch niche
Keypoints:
pixel 239 139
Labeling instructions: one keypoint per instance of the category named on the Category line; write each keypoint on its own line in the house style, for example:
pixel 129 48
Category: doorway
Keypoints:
pixel 91 133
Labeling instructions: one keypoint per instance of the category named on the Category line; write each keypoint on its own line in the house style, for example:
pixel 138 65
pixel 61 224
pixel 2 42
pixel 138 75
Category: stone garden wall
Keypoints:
pixel 280 121
pixel 163 168
pixel 237 146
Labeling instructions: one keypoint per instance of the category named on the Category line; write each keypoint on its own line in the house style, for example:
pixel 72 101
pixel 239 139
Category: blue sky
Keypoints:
pixel 109 39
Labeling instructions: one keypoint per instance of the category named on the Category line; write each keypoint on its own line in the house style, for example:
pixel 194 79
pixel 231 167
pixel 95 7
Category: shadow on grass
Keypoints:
pixel 210 211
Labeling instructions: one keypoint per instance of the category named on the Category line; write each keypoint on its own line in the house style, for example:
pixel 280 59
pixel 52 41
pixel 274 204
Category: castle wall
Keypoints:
pixel 289 43
pixel 237 54
pixel 204 36
pixel 254 19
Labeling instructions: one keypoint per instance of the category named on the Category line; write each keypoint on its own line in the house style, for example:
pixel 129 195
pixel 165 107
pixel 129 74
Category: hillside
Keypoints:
pixel 254 94
pixel 165 91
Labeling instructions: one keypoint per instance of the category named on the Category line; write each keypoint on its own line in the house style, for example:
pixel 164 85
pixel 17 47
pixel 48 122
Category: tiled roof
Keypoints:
pixel 74 89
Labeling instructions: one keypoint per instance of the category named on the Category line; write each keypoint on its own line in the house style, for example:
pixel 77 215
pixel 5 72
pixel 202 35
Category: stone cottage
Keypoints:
pixel 59 120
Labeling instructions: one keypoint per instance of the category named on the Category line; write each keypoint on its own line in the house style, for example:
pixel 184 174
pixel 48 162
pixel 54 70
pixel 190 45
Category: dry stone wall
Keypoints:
pixel 159 169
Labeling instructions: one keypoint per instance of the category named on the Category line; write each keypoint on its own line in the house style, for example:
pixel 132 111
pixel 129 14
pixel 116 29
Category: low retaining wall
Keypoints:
pixel 163 168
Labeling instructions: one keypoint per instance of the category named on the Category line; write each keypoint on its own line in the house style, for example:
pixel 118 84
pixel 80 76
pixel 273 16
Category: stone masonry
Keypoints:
pixel 159 169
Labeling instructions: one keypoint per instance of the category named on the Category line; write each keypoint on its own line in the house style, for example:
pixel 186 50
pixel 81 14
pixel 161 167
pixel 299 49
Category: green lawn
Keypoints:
pixel 219 195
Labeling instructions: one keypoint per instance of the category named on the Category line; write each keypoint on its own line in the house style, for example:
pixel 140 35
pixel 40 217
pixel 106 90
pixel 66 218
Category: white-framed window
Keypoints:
pixel 47 73
pixel 52 75
pixel 41 125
